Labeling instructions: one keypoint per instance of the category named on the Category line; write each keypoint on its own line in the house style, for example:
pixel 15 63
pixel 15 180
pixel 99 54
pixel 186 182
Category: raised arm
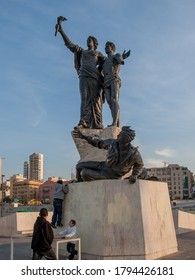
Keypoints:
pixel 70 45
pixel 119 58
pixel 90 139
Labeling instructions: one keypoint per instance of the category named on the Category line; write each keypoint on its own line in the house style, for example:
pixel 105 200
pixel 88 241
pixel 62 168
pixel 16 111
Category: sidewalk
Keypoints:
pixel 22 250
pixel 186 247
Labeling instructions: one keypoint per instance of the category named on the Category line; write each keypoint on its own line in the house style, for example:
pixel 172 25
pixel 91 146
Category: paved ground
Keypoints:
pixel 186 247
pixel 22 250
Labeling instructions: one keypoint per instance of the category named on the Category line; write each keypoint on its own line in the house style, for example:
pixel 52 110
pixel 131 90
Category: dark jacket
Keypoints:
pixel 42 235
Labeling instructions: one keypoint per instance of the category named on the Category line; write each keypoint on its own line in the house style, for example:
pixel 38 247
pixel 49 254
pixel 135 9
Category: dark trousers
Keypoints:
pixel 57 212
pixel 48 255
pixel 71 250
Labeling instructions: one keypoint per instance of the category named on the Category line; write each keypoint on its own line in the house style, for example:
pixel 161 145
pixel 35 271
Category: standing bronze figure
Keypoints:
pixel 112 81
pixel 87 63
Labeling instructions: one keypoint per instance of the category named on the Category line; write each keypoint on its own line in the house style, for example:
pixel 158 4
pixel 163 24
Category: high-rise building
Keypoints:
pixel 26 173
pixel 36 166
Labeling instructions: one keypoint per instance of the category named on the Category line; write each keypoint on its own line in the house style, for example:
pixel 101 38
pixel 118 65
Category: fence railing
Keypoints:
pixel 78 240
pixel 57 241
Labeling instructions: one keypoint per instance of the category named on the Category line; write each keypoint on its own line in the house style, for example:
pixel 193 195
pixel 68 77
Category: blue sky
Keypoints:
pixel 40 98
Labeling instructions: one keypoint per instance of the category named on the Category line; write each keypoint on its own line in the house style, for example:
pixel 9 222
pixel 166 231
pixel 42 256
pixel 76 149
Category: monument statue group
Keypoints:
pixel 99 81
pixel 129 222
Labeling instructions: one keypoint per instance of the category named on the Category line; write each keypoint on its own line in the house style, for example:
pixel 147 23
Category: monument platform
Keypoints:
pixel 119 220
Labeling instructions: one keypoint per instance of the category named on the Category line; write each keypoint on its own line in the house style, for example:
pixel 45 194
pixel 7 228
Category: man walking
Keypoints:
pixel 42 238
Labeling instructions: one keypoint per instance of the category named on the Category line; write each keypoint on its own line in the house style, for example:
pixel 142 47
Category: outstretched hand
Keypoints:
pixel 126 54
pixel 58 26
pixel 132 179
pixel 77 134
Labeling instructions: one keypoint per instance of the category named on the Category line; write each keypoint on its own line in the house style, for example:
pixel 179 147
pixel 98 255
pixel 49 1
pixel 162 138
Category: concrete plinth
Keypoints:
pixel 117 220
pixel 19 223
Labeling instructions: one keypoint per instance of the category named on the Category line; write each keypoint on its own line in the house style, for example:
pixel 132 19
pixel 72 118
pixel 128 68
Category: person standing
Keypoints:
pixel 58 197
pixel 112 81
pixel 88 63
pixel 42 238
pixel 70 232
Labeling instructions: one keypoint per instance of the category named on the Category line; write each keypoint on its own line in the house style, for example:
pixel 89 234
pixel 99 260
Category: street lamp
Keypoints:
pixel 2 195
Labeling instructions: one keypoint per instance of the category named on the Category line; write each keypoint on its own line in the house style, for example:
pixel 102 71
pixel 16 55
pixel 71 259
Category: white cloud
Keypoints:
pixel 166 152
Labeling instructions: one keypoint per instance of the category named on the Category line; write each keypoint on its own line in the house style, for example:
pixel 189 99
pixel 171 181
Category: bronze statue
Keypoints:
pixel 112 81
pixel 122 157
pixel 90 80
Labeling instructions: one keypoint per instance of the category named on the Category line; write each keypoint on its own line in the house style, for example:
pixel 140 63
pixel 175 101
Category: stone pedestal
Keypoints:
pixel 117 220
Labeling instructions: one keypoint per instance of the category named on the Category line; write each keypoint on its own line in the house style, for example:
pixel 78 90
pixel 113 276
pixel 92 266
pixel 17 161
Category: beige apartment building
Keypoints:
pixel 25 190
pixel 179 179
pixel 14 179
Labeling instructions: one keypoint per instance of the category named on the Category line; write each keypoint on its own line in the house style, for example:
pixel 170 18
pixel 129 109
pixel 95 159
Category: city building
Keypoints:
pixel 6 188
pixel 46 189
pixel 26 172
pixel 26 190
pixel 13 179
pixel 36 167
pixel 180 180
